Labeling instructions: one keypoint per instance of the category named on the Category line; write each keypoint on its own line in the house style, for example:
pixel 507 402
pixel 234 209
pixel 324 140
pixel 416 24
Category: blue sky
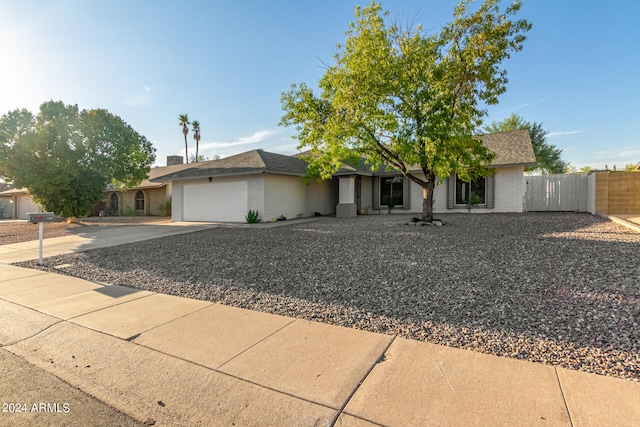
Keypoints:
pixel 226 63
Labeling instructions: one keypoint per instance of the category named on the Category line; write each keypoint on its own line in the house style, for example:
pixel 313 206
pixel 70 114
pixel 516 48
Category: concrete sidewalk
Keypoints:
pixel 631 221
pixel 176 361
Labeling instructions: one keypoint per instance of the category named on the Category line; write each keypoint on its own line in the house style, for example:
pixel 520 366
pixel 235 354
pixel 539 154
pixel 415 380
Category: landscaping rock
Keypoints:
pixel 554 288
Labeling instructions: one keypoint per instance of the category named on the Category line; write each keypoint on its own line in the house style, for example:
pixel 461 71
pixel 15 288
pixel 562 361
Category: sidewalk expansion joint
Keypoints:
pixel 235 377
pixel 564 399
pixel 293 320
pixel 380 359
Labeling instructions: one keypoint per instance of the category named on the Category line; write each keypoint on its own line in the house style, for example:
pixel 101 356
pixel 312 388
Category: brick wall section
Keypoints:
pixel 509 193
pixel 624 192
pixel 617 193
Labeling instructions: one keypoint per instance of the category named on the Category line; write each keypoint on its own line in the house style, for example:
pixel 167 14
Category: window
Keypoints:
pixel 113 203
pixel 391 189
pixel 139 201
pixel 465 189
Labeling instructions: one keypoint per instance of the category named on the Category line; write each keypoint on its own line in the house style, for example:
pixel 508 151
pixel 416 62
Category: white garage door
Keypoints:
pixel 26 205
pixel 216 201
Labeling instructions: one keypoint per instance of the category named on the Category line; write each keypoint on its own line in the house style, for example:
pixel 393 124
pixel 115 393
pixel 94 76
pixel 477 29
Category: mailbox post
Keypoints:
pixel 40 218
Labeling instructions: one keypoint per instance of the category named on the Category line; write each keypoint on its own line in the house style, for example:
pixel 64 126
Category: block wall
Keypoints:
pixel 624 193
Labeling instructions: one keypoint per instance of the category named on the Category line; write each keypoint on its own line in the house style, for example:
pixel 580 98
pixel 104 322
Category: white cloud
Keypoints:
pixel 561 133
pixel 256 138
pixel 141 98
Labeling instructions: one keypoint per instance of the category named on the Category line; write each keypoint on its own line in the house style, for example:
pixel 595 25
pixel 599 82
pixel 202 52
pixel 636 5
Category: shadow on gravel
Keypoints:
pixel 558 288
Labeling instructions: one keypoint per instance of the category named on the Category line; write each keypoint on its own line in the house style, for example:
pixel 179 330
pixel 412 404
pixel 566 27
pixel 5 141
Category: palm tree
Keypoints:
pixel 196 135
pixel 184 121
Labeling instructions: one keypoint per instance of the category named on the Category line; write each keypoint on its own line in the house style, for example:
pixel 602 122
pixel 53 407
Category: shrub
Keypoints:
pixel 473 202
pixel 164 208
pixel 129 211
pixel 253 217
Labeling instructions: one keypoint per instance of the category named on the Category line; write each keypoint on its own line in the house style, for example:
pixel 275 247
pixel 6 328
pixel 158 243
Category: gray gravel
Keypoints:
pixel 555 288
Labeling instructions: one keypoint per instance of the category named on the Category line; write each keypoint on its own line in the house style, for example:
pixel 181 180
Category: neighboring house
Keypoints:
pixel 148 198
pixel 226 189
pixel 16 203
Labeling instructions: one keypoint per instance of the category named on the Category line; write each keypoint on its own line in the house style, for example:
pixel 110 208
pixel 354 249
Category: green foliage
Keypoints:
pixel 404 97
pixel 129 211
pixel 253 217
pixel 473 202
pixel 548 157
pixel 391 203
pixel 66 157
pixel 164 208
pixel 569 168
pixel 200 158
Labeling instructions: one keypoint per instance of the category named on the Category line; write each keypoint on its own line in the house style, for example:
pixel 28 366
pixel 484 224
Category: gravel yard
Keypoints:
pixel 556 288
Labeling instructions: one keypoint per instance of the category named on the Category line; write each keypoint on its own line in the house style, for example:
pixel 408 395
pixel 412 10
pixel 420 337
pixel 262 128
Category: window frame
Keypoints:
pixel 485 196
pixel 137 200
pixel 398 181
pixel 114 202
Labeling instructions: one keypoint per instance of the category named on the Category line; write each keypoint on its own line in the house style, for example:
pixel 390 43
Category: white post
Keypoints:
pixel 41 232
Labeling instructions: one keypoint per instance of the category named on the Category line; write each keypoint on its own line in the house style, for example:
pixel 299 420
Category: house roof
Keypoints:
pixel 250 162
pixel 511 148
pixel 13 192
pixel 161 171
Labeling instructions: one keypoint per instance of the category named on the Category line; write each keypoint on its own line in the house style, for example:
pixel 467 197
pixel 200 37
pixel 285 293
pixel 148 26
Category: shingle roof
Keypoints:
pixel 14 192
pixel 511 148
pixel 158 172
pixel 250 162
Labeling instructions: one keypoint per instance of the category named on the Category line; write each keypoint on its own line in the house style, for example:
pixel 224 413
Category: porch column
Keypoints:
pixel 346 207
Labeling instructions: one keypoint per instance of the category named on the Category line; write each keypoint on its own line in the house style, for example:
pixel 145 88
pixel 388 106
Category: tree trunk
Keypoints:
pixel 427 196
pixel 186 149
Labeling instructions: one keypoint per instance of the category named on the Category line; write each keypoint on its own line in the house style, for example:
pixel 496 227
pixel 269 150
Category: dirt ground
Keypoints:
pixel 22 231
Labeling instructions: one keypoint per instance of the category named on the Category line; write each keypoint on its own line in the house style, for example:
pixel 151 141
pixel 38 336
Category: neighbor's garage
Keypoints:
pixel 216 201
pixel 26 205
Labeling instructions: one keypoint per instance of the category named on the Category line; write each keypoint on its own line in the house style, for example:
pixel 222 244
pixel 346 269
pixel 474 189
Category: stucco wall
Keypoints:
pixel 289 196
pixel 155 198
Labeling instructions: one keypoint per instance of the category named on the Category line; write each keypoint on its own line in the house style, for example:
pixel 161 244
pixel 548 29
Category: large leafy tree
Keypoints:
pixel 548 157
pixel 184 122
pixel 66 157
pixel 406 98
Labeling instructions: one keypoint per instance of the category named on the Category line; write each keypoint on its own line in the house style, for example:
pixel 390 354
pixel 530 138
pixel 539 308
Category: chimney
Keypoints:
pixel 174 160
